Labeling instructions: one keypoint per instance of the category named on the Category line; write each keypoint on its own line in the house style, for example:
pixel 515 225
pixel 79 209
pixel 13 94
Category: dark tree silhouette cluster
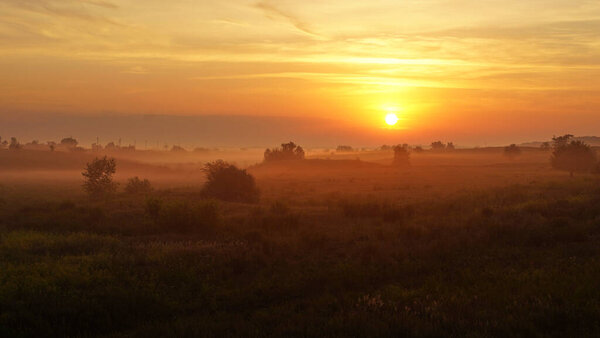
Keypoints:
pixel 287 151
pixel 401 156
pixel 69 142
pixel 344 149
pixel 572 155
pixel 440 146
pixel 227 182
pixel 14 144
pixel 99 177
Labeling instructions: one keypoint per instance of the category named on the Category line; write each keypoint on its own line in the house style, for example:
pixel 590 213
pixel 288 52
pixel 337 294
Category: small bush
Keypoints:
pixel 512 151
pixel 136 186
pixel 229 183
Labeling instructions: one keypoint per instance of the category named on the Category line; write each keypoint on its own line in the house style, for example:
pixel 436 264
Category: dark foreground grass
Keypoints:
pixel 521 260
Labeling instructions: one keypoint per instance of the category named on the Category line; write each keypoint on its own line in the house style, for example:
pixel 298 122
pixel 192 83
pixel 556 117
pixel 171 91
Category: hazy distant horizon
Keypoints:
pixel 231 131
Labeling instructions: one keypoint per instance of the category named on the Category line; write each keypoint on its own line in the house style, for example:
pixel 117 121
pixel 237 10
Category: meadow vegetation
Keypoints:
pixel 461 243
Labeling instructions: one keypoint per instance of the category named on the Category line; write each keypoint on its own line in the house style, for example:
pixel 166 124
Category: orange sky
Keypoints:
pixel 445 66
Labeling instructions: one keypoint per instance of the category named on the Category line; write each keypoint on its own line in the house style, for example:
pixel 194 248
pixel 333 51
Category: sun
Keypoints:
pixel 391 119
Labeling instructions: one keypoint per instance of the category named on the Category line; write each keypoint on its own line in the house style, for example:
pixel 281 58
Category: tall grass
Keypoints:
pixel 520 260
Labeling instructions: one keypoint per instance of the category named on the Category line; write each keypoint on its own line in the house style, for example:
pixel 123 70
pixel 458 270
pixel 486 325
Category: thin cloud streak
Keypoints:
pixel 272 11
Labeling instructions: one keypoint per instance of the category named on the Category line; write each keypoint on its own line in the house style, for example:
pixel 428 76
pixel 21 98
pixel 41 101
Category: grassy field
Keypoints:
pixel 462 244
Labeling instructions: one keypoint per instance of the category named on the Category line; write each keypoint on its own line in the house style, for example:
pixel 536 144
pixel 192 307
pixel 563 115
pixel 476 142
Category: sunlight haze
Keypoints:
pixel 449 65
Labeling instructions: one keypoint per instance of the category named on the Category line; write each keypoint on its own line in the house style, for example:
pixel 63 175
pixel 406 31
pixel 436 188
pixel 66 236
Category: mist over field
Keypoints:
pixel 153 132
pixel 299 168
pixel 394 240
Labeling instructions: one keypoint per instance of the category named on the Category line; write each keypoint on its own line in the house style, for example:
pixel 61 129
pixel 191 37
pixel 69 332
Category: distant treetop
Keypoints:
pixel 287 151
pixel 178 149
pixel 401 155
pixel 440 146
pixel 69 142
pixel 344 148
pixel 571 155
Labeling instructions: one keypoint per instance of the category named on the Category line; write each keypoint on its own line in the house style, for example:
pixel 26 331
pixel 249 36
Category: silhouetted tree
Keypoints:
pixel 137 186
pixel 512 151
pixel 401 156
pixel 344 149
pixel 288 151
pixel 572 156
pixel 385 147
pixel 438 145
pixel 418 149
pixel 98 176
pixel 69 142
pixel 178 149
pixel 227 182
pixel 3 143
pixel 14 144
pixel 561 141
pixel 450 146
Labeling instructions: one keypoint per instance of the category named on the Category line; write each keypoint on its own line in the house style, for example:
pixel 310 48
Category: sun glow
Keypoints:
pixel 391 119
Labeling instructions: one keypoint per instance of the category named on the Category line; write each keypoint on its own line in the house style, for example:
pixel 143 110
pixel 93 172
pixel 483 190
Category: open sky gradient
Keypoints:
pixel 459 70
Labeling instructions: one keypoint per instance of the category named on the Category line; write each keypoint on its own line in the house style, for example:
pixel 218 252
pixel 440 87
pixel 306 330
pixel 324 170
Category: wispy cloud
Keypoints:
pixel 274 12
pixel 71 9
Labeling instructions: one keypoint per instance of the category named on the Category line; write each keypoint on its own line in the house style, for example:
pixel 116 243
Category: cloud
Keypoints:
pixel 71 9
pixel 546 30
pixel 272 11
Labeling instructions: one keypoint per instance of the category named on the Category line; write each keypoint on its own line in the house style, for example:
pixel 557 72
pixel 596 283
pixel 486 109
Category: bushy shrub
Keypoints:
pixel 227 182
pixel 99 177
pixel 137 186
